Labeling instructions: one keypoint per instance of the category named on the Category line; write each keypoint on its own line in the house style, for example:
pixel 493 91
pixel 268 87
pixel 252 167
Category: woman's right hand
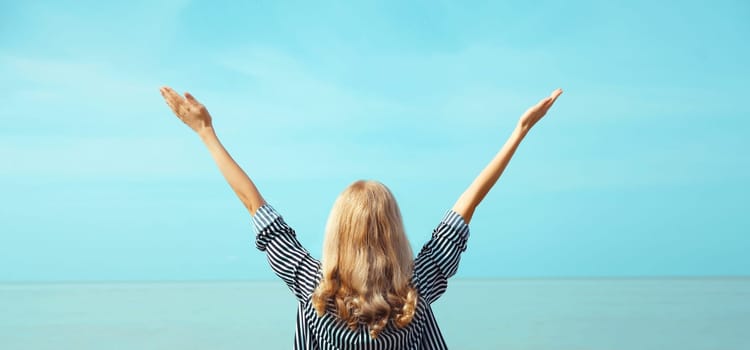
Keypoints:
pixel 537 111
pixel 188 109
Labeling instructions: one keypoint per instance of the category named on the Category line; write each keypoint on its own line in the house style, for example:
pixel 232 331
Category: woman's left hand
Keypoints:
pixel 188 109
pixel 537 111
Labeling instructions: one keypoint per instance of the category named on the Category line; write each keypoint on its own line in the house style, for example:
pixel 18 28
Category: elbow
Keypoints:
pixel 251 203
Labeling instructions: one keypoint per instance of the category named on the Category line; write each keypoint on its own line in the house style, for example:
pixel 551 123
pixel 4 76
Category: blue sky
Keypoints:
pixel 640 169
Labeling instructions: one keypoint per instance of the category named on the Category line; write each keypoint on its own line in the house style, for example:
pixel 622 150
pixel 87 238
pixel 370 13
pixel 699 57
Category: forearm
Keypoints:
pixel 235 176
pixel 479 188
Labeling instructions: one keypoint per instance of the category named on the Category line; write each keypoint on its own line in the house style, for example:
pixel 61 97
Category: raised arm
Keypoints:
pixel 470 199
pixel 196 116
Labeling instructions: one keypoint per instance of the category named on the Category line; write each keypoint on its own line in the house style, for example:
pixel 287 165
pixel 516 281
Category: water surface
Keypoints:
pixel 549 314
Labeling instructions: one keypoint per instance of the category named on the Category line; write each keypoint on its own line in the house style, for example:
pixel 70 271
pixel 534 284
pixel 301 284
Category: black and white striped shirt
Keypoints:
pixel 435 263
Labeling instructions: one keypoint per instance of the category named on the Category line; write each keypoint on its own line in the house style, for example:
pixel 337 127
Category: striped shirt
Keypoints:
pixel 435 263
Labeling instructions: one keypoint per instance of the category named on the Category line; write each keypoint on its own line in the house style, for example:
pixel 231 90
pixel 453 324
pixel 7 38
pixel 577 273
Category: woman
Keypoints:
pixel 368 291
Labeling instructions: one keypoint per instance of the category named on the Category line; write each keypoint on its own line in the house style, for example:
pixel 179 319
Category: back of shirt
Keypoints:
pixel 436 262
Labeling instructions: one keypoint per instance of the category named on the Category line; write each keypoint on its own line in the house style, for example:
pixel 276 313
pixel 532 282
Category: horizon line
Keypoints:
pixel 455 279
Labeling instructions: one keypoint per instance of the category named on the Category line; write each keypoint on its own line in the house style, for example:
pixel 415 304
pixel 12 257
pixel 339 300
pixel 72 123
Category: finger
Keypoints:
pixel 166 90
pixel 173 95
pixel 165 94
pixel 171 102
pixel 175 106
pixel 177 101
pixel 551 99
pixel 555 94
pixel 167 98
pixel 542 102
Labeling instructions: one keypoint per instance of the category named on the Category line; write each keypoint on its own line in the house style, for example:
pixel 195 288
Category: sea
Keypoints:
pixel 522 314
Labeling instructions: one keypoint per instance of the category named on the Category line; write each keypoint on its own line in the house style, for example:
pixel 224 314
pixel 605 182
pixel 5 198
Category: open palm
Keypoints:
pixel 537 111
pixel 187 108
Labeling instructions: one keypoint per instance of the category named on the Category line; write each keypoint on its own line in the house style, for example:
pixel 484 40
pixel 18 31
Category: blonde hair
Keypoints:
pixel 367 260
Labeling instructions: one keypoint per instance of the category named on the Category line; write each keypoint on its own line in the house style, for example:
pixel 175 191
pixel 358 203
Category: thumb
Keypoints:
pixel 190 98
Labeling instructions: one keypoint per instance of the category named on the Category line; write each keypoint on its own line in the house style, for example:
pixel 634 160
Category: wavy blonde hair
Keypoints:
pixel 367 261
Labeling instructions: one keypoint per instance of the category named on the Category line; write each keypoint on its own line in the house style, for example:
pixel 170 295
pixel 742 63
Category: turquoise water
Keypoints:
pixel 545 314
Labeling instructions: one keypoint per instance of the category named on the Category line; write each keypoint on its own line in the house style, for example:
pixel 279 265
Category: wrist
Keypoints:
pixel 521 130
pixel 206 132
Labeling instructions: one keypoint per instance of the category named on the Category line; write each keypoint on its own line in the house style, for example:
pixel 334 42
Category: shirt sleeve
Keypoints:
pixel 438 259
pixel 287 257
